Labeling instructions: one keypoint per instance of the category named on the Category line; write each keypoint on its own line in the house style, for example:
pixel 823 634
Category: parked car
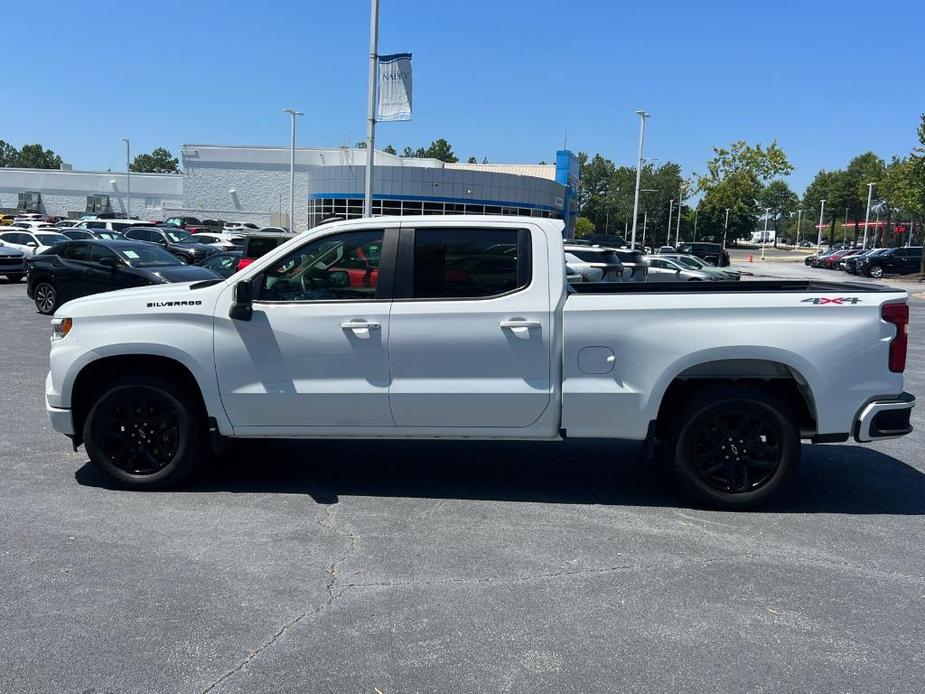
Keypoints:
pixel 852 263
pixel 595 264
pixel 6 220
pixel 713 253
pixel 663 269
pixel 721 380
pixel 66 223
pixel 183 222
pixel 240 227
pixel 31 225
pixel 893 261
pixel 224 263
pixel 118 225
pixel 87 235
pixel 30 242
pixel 225 242
pixel 841 261
pixel 12 263
pixel 666 249
pixel 829 261
pixel 816 259
pixel 72 269
pixel 29 217
pixel 259 244
pixel 177 241
pixel 692 262
pixel 634 264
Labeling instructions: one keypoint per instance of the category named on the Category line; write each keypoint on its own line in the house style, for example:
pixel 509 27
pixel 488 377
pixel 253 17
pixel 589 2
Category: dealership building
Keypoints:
pixel 251 184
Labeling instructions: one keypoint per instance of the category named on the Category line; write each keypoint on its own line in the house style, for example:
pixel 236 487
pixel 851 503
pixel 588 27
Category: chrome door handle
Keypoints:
pixel 520 325
pixel 360 325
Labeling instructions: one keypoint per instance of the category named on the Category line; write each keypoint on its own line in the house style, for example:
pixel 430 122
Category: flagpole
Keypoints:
pixel 371 112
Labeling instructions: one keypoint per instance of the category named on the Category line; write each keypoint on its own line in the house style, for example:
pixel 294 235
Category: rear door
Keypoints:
pixel 470 335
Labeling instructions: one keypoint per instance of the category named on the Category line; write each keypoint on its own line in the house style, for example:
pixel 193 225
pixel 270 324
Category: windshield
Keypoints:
pixel 51 239
pixel 178 236
pixel 147 256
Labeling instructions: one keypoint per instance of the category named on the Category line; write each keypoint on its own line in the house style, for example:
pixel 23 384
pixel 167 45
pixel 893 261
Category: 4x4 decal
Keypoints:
pixel 838 301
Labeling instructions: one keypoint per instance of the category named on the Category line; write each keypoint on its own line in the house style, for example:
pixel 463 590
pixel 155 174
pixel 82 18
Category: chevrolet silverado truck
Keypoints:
pixel 463 327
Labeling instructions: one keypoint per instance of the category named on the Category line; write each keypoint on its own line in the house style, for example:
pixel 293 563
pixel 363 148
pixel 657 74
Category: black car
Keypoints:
pixel 91 234
pixel 713 253
pixel 72 269
pixel 179 242
pixel 853 262
pixel 12 263
pixel 893 261
pixel 225 263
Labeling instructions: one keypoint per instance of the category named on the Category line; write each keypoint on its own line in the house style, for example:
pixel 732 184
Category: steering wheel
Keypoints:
pixel 308 284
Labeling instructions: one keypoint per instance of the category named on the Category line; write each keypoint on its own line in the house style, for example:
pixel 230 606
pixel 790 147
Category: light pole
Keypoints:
pixel 799 224
pixel 670 210
pixel 292 115
pixel 642 134
pixel 645 222
pixel 371 110
pixel 821 218
pixel 696 217
pixel 870 194
pixel 725 228
pixel 677 231
pixel 764 236
pixel 128 180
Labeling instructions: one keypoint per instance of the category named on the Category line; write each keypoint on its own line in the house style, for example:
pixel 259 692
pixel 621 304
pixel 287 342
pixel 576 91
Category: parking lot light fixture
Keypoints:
pixel 821 218
pixel 799 224
pixel 642 134
pixel 870 194
pixel 128 180
pixel 764 236
pixel 670 211
pixel 292 115
pixel 725 228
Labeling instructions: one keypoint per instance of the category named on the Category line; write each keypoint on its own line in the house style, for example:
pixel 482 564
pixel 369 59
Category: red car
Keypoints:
pixel 829 261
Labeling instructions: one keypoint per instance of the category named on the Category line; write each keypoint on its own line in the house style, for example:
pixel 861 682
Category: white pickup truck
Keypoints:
pixel 464 327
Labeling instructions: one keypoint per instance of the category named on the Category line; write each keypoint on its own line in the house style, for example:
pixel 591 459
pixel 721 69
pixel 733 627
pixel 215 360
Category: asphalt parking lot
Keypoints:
pixel 395 567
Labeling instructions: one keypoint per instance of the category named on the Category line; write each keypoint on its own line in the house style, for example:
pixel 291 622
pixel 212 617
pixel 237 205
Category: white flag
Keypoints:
pixel 394 87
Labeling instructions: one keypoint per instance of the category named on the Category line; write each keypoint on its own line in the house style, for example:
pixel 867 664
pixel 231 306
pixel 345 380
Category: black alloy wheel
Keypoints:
pixel 144 433
pixel 734 446
pixel 46 298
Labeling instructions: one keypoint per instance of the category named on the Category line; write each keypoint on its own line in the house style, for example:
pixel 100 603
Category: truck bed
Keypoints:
pixel 746 287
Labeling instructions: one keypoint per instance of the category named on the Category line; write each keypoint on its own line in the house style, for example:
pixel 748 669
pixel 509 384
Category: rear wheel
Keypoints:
pixel 144 433
pixel 46 298
pixel 733 447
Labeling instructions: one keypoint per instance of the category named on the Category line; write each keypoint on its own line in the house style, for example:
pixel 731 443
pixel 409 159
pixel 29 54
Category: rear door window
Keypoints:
pixel 464 263
pixel 75 251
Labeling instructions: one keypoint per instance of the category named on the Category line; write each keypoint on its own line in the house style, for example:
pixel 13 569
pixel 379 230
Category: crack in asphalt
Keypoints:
pixel 326 522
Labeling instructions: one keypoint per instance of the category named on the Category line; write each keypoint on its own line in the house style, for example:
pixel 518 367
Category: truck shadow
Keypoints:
pixel 831 479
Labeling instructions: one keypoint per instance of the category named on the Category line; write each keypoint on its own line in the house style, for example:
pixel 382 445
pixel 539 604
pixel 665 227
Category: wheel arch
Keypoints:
pixel 93 377
pixel 785 377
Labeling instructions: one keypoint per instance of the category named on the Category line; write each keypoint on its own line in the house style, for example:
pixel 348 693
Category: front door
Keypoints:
pixel 470 335
pixel 314 354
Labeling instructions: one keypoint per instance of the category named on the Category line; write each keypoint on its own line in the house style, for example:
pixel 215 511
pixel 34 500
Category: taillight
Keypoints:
pixel 898 315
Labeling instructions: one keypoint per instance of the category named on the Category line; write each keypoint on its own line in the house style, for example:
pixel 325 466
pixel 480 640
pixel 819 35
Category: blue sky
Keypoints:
pixel 501 79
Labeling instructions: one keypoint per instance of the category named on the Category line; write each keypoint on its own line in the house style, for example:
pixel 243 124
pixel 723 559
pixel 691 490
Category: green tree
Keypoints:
pixel 472 160
pixel 35 156
pixel 442 150
pixel 584 227
pixel 389 149
pixel 777 197
pixel 8 154
pixel 909 182
pixel 734 180
pixel 158 161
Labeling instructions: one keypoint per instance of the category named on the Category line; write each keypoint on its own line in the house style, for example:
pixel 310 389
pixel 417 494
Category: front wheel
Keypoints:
pixel 144 433
pixel 876 272
pixel 733 447
pixel 46 298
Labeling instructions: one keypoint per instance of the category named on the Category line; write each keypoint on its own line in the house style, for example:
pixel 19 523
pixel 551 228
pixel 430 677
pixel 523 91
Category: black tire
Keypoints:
pixel 46 298
pixel 144 433
pixel 876 272
pixel 733 447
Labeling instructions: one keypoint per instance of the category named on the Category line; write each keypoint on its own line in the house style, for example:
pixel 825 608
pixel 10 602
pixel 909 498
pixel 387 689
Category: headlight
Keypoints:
pixel 60 327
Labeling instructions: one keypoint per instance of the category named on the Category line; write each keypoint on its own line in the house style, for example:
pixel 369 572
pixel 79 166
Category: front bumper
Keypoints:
pixel 884 419
pixel 61 419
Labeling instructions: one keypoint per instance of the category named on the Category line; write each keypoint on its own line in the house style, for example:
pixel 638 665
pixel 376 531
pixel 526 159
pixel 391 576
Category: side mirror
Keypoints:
pixel 109 262
pixel 242 305
pixel 31 244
